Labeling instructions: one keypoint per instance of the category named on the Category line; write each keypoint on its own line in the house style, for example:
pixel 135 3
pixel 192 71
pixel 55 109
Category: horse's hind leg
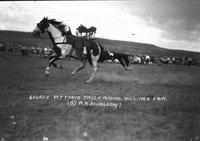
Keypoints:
pixel 94 60
pixel 122 62
pixel 82 66
pixel 127 62
pixel 94 64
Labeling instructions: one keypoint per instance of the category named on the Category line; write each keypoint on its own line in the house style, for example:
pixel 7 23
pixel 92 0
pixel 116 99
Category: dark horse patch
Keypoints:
pixel 79 44
pixel 122 57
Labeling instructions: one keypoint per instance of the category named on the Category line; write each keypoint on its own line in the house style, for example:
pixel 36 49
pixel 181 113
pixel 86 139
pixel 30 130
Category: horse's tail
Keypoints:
pixel 102 51
pixel 104 54
pixel 101 47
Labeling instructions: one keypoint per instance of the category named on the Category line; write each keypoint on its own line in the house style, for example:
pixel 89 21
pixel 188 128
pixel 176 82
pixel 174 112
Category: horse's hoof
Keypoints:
pixel 130 69
pixel 60 67
pixel 87 82
pixel 47 73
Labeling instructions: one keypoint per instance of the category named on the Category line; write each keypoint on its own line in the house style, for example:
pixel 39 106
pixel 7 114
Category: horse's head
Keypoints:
pixel 41 27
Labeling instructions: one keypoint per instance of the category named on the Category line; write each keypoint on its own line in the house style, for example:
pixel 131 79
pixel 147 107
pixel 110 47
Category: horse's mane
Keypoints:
pixel 60 25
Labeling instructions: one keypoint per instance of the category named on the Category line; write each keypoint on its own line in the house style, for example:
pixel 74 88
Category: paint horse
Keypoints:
pixel 67 45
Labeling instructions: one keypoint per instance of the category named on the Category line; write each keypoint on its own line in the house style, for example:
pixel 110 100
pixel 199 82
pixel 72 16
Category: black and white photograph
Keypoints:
pixel 121 70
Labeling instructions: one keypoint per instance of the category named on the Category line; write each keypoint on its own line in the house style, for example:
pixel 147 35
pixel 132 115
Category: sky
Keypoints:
pixel 173 24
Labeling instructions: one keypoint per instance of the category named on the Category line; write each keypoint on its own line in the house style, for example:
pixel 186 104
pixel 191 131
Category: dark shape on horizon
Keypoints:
pixel 89 32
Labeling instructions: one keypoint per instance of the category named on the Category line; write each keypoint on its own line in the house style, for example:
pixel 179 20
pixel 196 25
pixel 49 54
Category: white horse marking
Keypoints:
pixel 111 54
pixel 65 50
pixel 37 29
pixel 50 62
pixel 84 50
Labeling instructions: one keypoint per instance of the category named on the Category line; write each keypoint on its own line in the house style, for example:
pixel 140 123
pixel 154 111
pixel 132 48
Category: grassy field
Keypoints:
pixel 175 117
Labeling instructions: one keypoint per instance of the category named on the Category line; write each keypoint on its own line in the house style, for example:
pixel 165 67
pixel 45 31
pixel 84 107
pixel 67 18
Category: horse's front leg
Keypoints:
pixel 52 60
pixel 82 66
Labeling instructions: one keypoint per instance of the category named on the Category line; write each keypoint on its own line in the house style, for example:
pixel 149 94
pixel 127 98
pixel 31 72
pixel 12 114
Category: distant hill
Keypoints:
pixel 25 38
pixel 134 48
pixel 142 48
